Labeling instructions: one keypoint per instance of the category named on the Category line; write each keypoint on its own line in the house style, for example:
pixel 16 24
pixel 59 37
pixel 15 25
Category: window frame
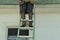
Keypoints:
pixel 10 27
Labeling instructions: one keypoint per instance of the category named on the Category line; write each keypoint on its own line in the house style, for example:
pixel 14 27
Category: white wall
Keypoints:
pixel 47 21
pixel 9 16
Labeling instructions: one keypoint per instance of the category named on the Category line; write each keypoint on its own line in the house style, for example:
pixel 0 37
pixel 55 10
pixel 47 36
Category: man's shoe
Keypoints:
pixel 30 26
pixel 22 26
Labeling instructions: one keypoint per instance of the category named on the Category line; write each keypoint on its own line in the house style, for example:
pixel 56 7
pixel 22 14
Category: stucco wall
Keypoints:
pixel 9 16
pixel 47 21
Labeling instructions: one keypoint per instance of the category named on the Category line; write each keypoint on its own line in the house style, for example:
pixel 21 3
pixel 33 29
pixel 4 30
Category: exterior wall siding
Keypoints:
pixel 47 21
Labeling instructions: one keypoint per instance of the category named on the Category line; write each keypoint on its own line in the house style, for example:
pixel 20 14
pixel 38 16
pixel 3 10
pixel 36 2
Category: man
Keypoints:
pixel 26 7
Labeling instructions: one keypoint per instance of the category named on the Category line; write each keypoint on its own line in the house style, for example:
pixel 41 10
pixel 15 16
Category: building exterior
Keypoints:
pixel 47 21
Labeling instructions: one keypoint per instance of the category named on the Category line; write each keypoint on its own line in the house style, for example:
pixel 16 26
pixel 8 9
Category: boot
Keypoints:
pixel 30 24
pixel 23 24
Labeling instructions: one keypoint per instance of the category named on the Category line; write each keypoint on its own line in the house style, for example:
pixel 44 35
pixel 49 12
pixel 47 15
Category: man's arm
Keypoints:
pixel 32 1
pixel 21 2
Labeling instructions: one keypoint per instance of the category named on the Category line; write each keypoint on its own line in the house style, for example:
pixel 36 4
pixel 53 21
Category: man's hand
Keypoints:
pixel 32 1
pixel 21 2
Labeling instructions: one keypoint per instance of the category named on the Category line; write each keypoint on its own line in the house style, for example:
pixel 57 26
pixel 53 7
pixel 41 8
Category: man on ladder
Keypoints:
pixel 26 7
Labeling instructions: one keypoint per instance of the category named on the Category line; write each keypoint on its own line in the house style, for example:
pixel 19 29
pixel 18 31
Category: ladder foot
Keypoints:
pixel 22 26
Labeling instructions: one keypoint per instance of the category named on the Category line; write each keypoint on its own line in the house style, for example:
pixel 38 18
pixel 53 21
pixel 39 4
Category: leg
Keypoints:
pixel 30 13
pixel 30 18
pixel 22 11
pixel 23 17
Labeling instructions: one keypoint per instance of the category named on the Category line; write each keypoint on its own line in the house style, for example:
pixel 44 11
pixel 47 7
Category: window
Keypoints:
pixel 24 32
pixel 12 34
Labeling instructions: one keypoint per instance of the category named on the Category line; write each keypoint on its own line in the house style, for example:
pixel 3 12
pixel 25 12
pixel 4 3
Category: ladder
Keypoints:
pixel 31 30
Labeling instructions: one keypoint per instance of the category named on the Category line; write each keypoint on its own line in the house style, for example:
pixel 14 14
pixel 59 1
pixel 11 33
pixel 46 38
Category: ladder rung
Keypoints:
pixel 26 36
pixel 29 28
pixel 26 20
pixel 11 38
